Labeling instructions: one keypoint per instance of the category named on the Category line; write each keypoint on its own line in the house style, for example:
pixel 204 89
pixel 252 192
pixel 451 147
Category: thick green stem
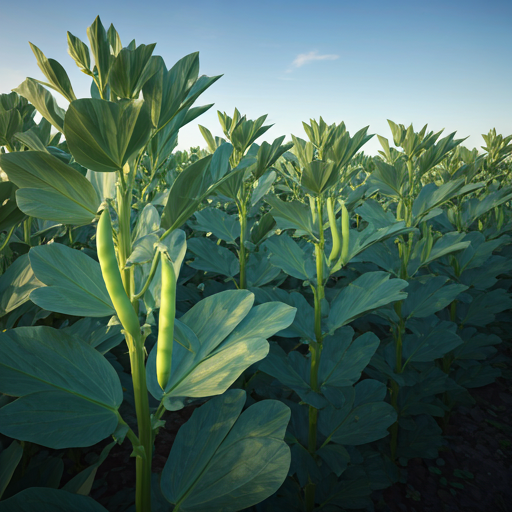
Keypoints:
pixel 143 463
pixel 394 387
pixel 315 350
pixel 27 227
pixel 137 359
pixel 242 211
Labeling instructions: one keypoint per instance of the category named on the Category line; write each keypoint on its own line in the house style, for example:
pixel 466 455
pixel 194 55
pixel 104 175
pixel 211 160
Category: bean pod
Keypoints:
pixel 335 234
pixel 166 323
pixel 112 276
pixel 345 233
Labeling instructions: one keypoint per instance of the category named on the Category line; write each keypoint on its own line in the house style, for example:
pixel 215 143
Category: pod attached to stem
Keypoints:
pixel 112 277
pixel 335 234
pixel 345 233
pixel 166 322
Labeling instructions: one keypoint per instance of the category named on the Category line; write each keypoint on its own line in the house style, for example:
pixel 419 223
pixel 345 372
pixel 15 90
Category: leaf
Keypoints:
pixel 131 69
pixel 43 101
pixel 430 340
pixel 10 123
pixel 368 292
pixel 10 214
pixel 344 358
pixel 44 499
pixel 9 460
pixel 82 483
pixel 318 176
pixel 96 334
pixel 193 185
pixel 363 418
pixel 55 74
pixel 50 189
pixel 292 371
pixel 292 215
pixel 211 257
pixel 16 284
pixel 225 337
pixel 74 282
pixel 69 392
pixel 222 460
pixel 100 48
pixel 102 135
pixel 168 92
pixel 79 52
pixel 223 226
pixel 286 254
pixel 264 185
pixel 427 295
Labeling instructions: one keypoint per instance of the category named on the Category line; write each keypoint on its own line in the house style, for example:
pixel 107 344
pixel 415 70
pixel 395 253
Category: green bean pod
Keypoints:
pixel 166 323
pixel 345 233
pixel 112 276
pixel 335 234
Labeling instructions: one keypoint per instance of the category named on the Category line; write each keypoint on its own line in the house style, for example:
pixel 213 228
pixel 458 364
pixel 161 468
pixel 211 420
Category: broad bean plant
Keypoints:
pixel 321 311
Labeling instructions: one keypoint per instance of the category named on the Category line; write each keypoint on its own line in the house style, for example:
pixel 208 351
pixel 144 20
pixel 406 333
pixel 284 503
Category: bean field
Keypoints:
pixel 290 325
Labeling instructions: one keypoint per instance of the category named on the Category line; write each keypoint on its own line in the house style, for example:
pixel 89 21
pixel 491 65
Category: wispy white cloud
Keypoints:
pixel 304 58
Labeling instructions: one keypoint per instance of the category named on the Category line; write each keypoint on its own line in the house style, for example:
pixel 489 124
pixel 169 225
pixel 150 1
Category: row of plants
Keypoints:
pixel 138 280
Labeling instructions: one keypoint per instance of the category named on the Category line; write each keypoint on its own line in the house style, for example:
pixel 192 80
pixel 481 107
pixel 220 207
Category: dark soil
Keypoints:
pixel 474 472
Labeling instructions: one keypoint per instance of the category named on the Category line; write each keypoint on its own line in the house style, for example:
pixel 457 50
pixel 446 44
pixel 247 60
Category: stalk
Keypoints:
pixel 137 360
pixel 315 349
pixel 27 226
pixel 242 212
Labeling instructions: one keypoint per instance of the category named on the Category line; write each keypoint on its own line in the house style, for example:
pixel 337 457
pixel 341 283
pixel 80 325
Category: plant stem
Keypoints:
pixel 242 212
pixel 137 358
pixel 315 349
pixel 27 226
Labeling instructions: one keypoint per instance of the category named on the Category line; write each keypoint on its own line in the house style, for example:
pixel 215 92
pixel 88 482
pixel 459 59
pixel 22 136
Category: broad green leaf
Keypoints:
pixel 264 185
pixel 43 101
pixel 427 295
pixel 74 283
pixel 286 254
pixel 293 371
pixel 131 69
pixel 16 284
pixel 10 123
pixel 69 392
pixel 430 340
pixel 57 419
pixel 224 460
pixel 225 337
pixel 98 335
pixel 79 52
pixel 344 358
pixel 50 189
pixel 104 183
pixel 223 226
pixel 169 92
pixel 292 215
pixel 368 292
pixel 10 214
pixel 100 49
pixel 102 135
pixel 56 75
pixel 210 257
pixel 318 176
pixel 193 185
pixel 44 499
pixel 363 418
pixel 389 179
pixel 9 460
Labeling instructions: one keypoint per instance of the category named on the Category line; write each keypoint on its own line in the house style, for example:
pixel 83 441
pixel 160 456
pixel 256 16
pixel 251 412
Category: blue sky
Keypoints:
pixel 445 63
